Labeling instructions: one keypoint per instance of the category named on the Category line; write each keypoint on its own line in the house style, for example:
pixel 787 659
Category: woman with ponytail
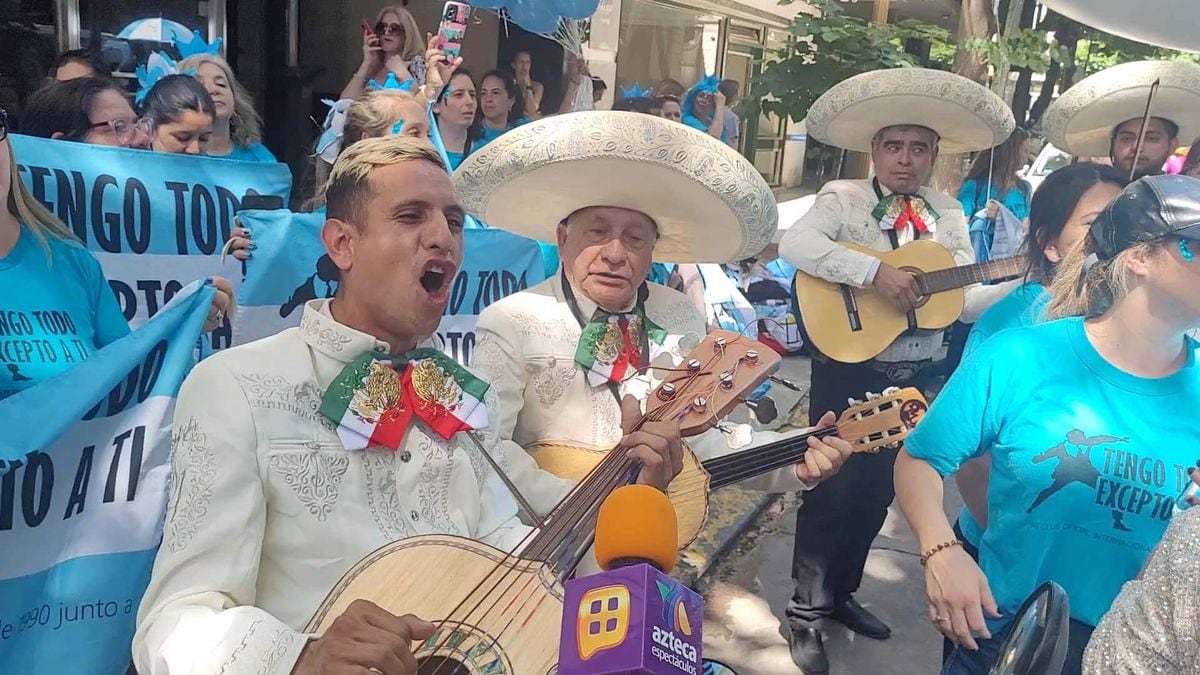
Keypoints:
pixel 1089 418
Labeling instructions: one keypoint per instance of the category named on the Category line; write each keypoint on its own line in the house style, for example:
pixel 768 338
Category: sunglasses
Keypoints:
pixel 382 28
pixel 124 128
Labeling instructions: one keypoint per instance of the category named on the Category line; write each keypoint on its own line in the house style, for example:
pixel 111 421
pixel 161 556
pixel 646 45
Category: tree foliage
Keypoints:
pixel 830 47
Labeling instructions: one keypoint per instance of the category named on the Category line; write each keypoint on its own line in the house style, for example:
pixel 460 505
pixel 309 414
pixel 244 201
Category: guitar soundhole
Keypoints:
pixel 441 665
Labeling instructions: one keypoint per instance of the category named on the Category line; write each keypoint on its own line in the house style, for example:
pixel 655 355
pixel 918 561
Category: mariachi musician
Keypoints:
pixel 295 456
pixel 902 117
pixel 619 191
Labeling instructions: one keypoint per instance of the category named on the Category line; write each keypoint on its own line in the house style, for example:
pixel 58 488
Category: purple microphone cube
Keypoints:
pixel 631 620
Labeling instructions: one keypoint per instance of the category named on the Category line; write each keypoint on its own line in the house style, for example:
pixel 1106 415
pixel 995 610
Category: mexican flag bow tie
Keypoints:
pixel 611 344
pixel 374 399
pixel 896 212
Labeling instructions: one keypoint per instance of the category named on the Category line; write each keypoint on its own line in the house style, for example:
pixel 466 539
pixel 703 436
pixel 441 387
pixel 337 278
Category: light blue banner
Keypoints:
pixel 290 267
pixel 84 463
pixel 155 221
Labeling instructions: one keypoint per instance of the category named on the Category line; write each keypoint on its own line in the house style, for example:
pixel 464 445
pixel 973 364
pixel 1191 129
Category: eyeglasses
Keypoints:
pixel 382 28
pixel 123 127
pixel 3 124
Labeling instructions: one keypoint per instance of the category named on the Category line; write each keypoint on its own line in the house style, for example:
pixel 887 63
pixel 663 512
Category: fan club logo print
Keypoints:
pixel 1128 483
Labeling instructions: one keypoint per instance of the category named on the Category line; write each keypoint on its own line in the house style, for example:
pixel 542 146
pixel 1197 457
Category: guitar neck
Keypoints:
pixel 739 466
pixel 958 277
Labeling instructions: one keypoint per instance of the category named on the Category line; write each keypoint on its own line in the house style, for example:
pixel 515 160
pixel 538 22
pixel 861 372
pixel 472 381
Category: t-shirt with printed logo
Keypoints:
pixel 1087 460
pixel 55 310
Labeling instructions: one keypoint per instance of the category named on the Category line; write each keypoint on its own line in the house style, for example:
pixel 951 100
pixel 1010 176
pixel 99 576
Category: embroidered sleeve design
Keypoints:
pixel 193 472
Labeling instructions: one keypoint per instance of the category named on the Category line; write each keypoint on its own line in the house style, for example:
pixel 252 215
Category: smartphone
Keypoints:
pixel 261 202
pixel 453 28
pixel 367 28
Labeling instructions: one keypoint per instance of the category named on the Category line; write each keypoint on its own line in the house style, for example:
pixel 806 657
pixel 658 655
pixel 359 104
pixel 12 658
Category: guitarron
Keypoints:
pixel 500 613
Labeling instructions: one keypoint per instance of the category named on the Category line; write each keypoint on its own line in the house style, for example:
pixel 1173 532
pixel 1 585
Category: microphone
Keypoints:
pixel 632 618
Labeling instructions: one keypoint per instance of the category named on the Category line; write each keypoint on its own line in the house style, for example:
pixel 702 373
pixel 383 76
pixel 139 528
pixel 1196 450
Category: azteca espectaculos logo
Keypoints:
pixel 674 613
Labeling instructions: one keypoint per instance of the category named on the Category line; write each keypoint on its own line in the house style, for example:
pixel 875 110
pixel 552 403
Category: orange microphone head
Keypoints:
pixel 637 522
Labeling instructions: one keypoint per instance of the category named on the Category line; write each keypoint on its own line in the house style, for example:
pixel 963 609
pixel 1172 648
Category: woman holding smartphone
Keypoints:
pixel 393 45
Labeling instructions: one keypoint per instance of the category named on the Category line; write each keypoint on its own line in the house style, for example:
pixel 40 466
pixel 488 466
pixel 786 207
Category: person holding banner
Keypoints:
pixel 57 307
pixel 620 190
pixel 87 110
pixel 182 115
pixel 236 123
pixel 297 455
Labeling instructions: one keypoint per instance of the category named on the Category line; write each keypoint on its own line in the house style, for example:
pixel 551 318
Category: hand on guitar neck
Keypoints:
pixel 365 638
pixel 656 446
pixel 898 286
pixel 825 456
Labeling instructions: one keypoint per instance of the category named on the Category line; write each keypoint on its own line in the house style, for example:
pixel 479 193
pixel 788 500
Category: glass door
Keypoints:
pixel 762 136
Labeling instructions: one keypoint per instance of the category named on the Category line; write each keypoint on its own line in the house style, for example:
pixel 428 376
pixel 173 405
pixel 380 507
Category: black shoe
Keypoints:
pixel 856 617
pixel 808 652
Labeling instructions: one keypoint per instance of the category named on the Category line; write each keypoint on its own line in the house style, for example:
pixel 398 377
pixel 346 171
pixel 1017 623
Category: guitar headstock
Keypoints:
pixel 882 420
pixel 714 378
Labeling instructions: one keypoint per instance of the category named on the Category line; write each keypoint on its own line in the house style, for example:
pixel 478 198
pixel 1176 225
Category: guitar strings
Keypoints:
pixel 608 475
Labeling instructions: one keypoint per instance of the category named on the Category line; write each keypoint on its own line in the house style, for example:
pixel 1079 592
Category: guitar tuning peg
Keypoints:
pixel 891 391
pixel 871 396
pixel 853 402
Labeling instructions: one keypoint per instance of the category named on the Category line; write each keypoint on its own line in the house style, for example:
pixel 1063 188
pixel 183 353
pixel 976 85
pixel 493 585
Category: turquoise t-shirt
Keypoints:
pixel 697 123
pixel 1087 460
pixel 256 152
pixel 54 311
pixel 1022 307
pixel 490 134
pixel 455 158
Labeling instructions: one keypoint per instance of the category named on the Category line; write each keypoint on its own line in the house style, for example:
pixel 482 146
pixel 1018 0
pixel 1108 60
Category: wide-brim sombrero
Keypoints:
pixel 710 203
pixel 966 115
pixel 1082 120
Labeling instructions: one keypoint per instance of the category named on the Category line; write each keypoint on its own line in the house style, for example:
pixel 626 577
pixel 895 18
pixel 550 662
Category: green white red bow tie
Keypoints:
pixel 375 398
pixel 611 345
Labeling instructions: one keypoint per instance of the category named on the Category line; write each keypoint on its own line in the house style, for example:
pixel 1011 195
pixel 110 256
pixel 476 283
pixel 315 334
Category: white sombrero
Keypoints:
pixel 1081 121
pixel 710 204
pixel 965 114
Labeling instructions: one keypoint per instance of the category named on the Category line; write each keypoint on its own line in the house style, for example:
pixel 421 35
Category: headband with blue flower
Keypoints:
pixel 197 45
pixel 392 82
pixel 706 86
pixel 158 65
pixel 636 91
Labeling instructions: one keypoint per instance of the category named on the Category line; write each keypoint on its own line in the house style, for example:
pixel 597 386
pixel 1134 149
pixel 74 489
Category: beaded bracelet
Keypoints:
pixel 938 549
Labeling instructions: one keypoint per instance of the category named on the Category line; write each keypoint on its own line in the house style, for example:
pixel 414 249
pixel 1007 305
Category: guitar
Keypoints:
pixel 852 325
pixel 499 613
pixel 869 426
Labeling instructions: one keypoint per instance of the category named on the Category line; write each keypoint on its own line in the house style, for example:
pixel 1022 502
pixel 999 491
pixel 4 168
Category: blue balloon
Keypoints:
pixel 535 16
pixel 488 4
pixel 575 9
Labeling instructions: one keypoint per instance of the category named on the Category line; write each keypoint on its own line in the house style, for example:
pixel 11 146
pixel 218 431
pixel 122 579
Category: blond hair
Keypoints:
pixel 245 126
pixel 371 116
pixel 1086 286
pixel 30 212
pixel 350 179
pixel 413 43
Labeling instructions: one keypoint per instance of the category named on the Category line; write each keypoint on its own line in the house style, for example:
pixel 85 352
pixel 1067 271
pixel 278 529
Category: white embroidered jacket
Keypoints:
pixel 525 346
pixel 267 510
pixel 842 213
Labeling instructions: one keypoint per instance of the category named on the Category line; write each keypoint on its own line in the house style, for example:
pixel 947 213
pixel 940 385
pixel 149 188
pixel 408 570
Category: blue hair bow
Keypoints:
pixel 392 82
pixel 636 91
pixel 158 65
pixel 198 45
pixel 706 86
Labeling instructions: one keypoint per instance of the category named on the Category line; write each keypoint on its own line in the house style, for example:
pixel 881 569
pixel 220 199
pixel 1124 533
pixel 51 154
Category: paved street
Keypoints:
pixel 746 594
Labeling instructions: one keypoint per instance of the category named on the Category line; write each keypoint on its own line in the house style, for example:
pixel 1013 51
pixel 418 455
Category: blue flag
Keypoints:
pixel 84 464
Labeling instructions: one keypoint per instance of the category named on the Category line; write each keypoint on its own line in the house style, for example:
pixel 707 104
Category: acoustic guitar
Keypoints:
pixel 852 325
pixel 500 613
pixel 880 421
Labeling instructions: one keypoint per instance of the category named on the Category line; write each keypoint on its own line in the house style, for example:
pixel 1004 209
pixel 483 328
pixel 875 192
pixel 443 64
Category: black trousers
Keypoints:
pixel 839 519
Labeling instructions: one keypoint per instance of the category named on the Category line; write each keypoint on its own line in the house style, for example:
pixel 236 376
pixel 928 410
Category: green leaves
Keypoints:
pixel 826 49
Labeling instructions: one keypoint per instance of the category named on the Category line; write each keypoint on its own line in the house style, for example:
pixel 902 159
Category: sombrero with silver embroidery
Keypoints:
pixel 966 115
pixel 1082 120
pixel 709 203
